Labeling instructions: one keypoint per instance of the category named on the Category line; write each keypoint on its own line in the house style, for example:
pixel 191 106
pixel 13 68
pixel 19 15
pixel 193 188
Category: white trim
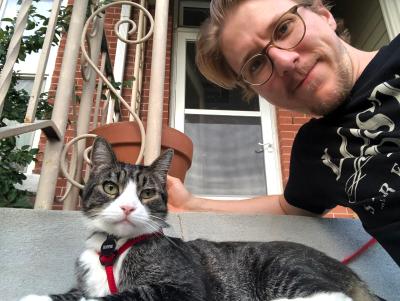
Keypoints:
pixel 273 171
pixel 119 63
pixel 178 4
pixel 189 30
pixel 188 3
pixel 391 15
pixel 179 106
pixel 222 112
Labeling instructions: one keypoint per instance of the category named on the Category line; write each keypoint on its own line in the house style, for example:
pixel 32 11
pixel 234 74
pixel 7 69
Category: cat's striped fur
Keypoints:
pixel 129 200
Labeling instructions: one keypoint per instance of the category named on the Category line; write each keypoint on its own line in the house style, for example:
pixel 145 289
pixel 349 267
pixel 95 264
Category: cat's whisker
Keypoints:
pixel 149 221
pixel 161 234
pixel 156 217
pixel 162 220
pixel 154 223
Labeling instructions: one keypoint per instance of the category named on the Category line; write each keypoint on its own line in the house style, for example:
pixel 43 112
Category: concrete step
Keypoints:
pixel 38 248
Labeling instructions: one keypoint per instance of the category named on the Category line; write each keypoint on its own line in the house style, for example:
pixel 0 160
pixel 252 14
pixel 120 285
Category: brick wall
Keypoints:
pixel 288 125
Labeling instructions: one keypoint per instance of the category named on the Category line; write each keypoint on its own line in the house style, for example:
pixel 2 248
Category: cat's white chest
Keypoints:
pixel 95 279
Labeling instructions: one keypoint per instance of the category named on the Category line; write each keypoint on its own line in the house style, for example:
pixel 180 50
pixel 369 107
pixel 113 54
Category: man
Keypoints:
pixel 349 155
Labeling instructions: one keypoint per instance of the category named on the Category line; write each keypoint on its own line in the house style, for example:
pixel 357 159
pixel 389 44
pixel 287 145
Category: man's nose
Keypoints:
pixel 284 60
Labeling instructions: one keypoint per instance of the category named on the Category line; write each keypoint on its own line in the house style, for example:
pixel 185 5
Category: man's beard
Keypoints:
pixel 342 89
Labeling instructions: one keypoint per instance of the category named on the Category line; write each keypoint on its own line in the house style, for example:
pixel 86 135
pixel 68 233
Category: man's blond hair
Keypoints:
pixel 209 57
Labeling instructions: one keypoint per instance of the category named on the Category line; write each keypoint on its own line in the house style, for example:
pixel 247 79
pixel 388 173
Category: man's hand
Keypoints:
pixel 179 198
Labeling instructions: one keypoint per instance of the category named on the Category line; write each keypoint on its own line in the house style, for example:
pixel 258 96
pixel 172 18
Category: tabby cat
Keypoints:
pixel 123 201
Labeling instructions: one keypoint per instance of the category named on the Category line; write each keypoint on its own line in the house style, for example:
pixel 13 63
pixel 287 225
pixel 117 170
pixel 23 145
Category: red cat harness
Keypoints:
pixel 109 254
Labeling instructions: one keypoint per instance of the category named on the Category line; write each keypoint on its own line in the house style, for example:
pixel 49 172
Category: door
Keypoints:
pixel 235 146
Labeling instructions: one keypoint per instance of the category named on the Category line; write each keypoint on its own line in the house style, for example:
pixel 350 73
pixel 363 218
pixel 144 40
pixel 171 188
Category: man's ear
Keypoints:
pixel 325 13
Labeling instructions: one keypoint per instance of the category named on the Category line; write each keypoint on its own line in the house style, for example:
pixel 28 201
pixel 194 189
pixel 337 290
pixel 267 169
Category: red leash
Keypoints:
pixel 108 255
pixel 361 250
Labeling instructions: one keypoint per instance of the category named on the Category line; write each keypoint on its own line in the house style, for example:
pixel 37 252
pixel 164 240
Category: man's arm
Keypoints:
pixel 181 199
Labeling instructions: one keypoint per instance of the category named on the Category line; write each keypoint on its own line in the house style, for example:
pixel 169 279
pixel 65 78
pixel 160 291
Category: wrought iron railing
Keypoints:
pixel 96 71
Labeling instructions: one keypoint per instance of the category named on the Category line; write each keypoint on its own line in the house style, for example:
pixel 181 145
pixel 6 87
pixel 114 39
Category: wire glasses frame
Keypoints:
pixel 287 34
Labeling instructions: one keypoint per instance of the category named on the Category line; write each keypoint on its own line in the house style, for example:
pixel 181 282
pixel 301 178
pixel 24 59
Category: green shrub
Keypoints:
pixel 12 158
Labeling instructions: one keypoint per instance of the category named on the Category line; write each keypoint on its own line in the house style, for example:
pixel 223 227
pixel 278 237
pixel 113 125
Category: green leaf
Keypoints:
pixel 22 202
pixel 34 151
pixel 11 195
pixel 31 25
pixel 7 20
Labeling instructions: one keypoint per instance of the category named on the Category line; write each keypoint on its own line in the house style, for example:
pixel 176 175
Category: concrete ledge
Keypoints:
pixel 38 248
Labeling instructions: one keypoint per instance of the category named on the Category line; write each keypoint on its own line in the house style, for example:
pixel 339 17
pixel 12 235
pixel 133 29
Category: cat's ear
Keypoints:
pixel 102 154
pixel 162 164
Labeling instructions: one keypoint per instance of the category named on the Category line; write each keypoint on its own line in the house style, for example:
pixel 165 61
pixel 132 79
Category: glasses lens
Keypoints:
pixel 289 32
pixel 257 70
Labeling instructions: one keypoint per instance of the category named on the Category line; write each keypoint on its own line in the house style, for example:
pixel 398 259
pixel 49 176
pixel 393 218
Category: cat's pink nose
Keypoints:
pixel 127 209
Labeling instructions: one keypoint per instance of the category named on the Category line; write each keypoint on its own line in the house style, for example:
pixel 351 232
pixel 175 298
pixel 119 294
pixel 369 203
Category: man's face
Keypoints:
pixel 313 78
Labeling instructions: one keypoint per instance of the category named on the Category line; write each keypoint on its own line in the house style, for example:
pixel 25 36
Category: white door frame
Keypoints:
pixel 267 113
pixel 391 15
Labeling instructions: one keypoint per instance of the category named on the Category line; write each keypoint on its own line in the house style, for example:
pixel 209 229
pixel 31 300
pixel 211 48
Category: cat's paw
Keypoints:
pixel 36 298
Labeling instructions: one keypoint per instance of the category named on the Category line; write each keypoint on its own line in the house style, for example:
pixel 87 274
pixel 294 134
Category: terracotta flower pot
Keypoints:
pixel 125 140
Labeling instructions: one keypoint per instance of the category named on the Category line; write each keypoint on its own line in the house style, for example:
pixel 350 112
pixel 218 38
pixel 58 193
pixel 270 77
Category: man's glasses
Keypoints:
pixel 287 34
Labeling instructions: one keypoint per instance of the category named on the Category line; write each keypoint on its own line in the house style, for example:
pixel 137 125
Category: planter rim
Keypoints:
pixel 128 132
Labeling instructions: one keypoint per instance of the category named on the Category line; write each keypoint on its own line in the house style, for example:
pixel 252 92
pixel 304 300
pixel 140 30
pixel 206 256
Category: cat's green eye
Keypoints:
pixel 110 188
pixel 147 194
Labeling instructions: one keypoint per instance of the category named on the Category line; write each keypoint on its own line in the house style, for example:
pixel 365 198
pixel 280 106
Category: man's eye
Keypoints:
pixel 147 194
pixel 110 188
pixel 283 29
pixel 256 64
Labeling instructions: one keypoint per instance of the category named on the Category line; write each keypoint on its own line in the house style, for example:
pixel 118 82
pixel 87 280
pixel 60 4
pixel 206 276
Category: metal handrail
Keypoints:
pixel 13 51
pixel 64 94
pixel 55 129
pixel 37 83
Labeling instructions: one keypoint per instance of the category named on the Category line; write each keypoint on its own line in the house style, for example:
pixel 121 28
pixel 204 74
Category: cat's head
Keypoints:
pixel 123 199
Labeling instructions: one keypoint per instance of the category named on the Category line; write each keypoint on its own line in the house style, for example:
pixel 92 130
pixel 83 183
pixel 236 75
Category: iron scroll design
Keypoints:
pixel 92 20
